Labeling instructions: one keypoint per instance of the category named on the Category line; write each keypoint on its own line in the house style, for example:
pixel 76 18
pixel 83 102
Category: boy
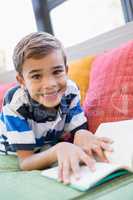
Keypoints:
pixel 44 106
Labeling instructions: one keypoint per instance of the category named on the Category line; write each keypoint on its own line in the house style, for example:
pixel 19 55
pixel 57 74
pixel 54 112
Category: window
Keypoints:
pixel 75 21
pixel 16 20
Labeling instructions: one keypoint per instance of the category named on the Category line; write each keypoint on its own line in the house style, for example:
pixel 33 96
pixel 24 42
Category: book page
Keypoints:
pixel 87 177
pixel 121 158
pixel 122 134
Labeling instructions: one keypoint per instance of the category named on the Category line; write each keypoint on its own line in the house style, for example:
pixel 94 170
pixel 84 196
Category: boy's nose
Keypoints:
pixel 49 82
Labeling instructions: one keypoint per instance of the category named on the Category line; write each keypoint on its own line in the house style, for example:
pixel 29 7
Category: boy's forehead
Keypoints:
pixel 48 62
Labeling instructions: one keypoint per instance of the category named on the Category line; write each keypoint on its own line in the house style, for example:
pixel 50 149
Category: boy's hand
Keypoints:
pixel 69 157
pixel 93 145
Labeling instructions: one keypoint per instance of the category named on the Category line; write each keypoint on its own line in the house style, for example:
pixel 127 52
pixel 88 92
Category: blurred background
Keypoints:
pixel 71 21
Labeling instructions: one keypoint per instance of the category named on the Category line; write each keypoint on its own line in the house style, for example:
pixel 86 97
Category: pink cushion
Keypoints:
pixel 3 89
pixel 110 95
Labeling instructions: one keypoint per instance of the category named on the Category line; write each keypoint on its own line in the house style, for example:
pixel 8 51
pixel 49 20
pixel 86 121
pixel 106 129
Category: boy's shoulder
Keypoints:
pixel 15 96
pixel 72 88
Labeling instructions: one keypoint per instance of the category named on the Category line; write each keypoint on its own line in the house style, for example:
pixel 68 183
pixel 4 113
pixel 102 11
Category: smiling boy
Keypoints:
pixel 44 106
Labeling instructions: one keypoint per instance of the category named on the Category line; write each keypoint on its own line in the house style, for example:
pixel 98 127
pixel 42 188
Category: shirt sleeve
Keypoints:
pixel 16 131
pixel 75 118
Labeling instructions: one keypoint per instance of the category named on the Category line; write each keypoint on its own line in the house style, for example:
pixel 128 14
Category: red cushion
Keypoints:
pixel 3 89
pixel 110 95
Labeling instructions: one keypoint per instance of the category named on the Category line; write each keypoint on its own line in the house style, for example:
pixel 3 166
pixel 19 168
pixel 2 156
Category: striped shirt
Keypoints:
pixel 28 125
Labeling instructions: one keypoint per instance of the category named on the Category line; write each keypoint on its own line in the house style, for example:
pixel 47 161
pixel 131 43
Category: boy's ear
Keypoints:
pixel 20 80
pixel 66 69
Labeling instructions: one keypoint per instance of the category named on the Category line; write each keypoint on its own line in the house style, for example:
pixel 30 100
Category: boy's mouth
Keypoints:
pixel 49 94
pixel 49 98
pixel 52 96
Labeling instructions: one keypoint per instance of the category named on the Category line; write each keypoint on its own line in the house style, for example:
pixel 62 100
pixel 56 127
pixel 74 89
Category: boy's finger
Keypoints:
pixel 105 139
pixel 60 171
pixel 75 168
pixel 66 172
pixel 100 153
pixel 88 151
pixel 106 147
pixel 88 161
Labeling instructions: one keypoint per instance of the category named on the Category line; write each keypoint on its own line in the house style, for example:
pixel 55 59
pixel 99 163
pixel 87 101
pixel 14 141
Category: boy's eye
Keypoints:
pixel 36 76
pixel 58 72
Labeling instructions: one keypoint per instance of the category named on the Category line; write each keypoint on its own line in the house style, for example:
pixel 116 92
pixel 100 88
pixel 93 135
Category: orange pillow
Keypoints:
pixel 79 71
pixel 110 94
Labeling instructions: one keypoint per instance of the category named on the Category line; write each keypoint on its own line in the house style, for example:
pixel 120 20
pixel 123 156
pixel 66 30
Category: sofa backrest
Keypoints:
pixel 7 77
pixel 101 43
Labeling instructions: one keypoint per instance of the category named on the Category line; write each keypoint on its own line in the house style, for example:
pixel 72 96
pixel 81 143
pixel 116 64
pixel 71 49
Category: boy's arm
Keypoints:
pixel 21 139
pixel 62 152
pixel 68 156
pixel 76 125
pixel 28 160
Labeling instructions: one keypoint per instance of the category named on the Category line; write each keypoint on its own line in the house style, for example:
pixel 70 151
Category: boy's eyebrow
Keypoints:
pixel 41 70
pixel 58 67
pixel 35 71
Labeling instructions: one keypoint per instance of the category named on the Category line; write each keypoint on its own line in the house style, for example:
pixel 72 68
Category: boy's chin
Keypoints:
pixel 50 104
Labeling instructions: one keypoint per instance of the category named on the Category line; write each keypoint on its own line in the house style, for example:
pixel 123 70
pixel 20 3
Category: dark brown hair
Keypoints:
pixel 35 45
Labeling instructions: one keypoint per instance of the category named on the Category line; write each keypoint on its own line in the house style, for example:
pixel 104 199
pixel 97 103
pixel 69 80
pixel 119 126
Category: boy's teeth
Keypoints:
pixel 50 93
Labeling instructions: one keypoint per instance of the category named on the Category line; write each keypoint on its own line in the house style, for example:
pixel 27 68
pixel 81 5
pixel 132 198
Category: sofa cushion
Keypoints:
pixel 110 95
pixel 3 89
pixel 9 163
pixel 79 71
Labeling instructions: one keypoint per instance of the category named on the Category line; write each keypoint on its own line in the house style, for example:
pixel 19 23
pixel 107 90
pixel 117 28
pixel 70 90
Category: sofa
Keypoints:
pixel 96 65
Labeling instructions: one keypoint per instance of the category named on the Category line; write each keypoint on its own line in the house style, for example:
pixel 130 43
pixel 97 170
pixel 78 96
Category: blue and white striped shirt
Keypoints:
pixel 27 125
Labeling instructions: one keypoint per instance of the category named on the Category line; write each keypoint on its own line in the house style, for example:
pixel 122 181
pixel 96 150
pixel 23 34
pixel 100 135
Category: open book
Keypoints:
pixel 121 158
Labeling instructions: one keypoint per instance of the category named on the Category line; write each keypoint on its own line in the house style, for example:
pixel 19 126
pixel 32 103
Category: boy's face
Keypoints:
pixel 45 78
